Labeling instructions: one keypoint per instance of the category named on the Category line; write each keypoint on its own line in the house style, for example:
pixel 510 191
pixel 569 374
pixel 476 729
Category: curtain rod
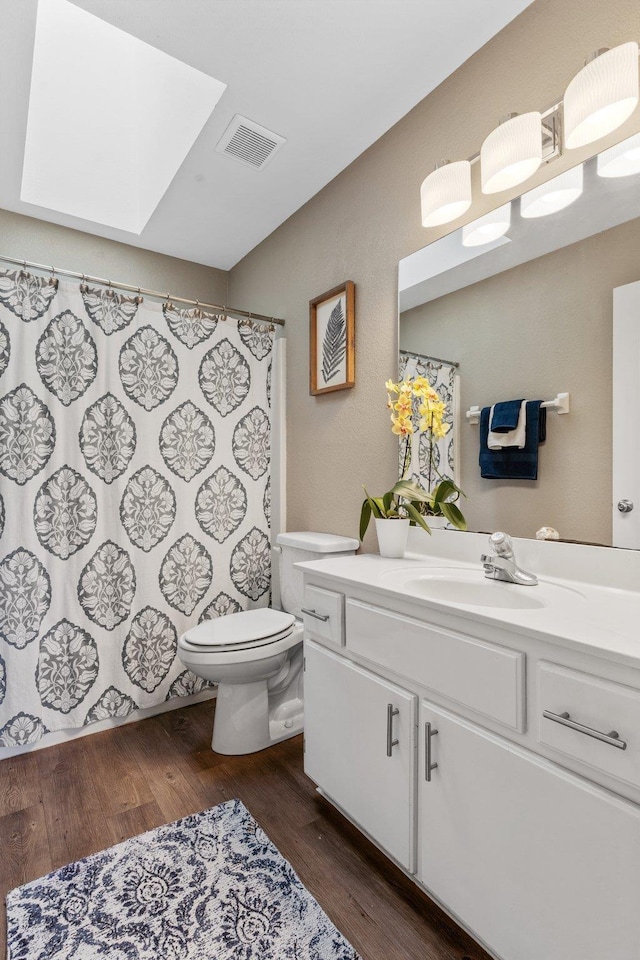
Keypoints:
pixel 259 317
pixel 423 356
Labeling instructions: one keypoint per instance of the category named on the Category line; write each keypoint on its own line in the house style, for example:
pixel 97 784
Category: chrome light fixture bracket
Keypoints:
pixel 552 133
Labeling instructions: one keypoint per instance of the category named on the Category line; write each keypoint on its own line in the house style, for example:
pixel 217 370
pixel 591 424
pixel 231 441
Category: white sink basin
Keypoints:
pixel 470 588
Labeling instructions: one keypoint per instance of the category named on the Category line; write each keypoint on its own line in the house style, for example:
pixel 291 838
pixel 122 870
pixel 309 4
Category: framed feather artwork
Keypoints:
pixel 332 348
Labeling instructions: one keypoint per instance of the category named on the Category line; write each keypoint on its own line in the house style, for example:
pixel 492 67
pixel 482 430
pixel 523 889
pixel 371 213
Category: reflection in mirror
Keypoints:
pixel 530 315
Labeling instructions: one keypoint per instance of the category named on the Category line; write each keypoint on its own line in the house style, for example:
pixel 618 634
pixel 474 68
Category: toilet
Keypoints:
pixel 255 656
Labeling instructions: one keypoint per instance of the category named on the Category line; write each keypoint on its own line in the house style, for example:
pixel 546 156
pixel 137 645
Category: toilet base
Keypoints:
pixel 247 720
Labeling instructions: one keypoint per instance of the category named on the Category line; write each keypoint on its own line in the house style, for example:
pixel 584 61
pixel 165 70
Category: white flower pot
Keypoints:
pixel 392 536
pixel 437 523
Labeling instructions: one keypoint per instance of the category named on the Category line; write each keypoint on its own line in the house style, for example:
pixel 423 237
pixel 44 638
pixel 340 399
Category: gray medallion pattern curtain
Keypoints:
pixel 442 376
pixel 134 495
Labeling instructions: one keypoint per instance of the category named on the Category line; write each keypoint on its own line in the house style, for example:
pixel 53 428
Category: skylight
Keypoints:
pixel 111 119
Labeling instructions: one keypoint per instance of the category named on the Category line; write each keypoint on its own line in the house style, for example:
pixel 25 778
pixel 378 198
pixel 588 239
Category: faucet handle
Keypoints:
pixel 502 544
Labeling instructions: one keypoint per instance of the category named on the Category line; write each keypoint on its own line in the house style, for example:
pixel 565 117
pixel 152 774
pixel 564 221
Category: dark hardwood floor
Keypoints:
pixel 68 801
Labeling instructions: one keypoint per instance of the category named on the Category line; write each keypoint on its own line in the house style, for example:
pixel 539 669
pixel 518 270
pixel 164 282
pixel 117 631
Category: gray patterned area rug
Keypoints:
pixel 211 886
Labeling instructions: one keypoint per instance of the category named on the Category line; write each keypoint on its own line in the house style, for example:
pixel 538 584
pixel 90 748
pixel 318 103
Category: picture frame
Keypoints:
pixel 332 348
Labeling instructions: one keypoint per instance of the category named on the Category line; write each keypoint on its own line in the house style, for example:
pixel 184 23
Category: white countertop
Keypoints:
pixel 578 613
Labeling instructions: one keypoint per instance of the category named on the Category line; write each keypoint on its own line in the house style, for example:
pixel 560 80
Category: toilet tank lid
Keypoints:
pixel 317 542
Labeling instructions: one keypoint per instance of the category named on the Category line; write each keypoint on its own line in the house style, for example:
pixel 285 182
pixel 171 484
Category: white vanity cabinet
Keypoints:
pixel 539 863
pixel 526 830
pixel 360 747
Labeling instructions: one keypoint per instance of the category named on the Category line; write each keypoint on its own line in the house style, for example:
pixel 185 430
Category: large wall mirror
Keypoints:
pixel 530 315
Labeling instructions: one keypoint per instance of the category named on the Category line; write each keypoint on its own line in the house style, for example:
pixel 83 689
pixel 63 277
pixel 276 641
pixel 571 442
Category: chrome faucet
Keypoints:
pixel 502 565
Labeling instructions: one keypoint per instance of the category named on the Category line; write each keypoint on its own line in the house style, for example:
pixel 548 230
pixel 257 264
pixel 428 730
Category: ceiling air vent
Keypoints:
pixel 249 143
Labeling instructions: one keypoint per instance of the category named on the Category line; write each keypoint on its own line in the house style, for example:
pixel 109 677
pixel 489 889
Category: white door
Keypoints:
pixel 626 416
pixel 359 750
pixel 538 863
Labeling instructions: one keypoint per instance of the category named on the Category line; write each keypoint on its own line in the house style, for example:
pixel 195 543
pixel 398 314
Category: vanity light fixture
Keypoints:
pixel 596 102
pixel 602 96
pixel 512 152
pixel 446 193
pixel 623 160
pixel 485 229
pixel 553 195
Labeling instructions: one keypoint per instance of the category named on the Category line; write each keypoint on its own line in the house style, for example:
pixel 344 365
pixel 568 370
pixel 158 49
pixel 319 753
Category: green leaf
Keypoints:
pixel 411 491
pixel 365 517
pixel 387 500
pixel 445 490
pixel 454 515
pixel 376 505
pixel 417 517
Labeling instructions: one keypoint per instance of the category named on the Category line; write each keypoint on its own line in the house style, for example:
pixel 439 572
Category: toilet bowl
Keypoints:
pixel 255 657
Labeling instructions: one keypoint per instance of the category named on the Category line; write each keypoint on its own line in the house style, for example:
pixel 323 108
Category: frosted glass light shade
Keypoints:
pixel 446 193
pixel 621 160
pixel 553 195
pixel 511 153
pixel 601 96
pixel 485 229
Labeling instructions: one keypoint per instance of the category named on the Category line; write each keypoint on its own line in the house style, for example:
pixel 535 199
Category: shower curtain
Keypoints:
pixel 134 495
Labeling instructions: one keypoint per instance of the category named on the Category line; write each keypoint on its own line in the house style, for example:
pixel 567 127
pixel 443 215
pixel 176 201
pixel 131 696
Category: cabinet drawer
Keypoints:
pixel 485 677
pixel 596 706
pixel 323 615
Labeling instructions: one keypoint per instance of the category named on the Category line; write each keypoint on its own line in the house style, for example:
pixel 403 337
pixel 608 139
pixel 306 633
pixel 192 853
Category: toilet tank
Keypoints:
pixel 300 547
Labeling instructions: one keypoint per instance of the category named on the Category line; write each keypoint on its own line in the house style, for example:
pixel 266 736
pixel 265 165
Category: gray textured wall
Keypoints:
pixel 30 239
pixel 366 219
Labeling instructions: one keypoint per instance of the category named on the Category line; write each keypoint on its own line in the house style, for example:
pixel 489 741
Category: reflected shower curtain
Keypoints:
pixel 134 495
pixel 442 376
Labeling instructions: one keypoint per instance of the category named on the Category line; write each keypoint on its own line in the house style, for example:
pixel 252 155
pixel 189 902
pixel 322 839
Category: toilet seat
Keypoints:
pixel 239 631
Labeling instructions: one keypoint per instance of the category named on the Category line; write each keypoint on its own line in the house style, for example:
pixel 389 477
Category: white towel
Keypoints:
pixel 514 438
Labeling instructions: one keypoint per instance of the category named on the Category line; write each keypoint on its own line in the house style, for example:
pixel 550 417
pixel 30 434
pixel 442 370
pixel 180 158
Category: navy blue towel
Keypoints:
pixel 511 463
pixel 505 416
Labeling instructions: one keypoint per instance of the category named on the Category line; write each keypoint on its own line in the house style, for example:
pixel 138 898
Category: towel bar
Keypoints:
pixel 560 405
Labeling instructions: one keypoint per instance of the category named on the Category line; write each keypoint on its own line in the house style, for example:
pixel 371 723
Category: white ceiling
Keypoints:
pixel 331 76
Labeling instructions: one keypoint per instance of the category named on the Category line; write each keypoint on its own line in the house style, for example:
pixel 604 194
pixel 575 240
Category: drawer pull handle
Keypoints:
pixel 612 738
pixel 428 766
pixel 318 616
pixel 391 713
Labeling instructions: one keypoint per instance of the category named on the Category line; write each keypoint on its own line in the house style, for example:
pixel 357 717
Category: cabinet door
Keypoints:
pixel 349 733
pixel 539 863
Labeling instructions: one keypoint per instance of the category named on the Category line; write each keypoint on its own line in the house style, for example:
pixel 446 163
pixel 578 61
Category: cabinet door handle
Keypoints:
pixel 428 766
pixel 612 738
pixel 318 616
pixel 391 713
